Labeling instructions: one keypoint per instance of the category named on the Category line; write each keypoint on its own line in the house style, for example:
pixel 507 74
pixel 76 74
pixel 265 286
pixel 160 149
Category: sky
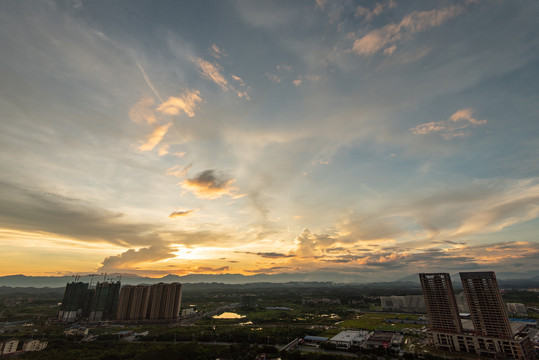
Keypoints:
pixel 374 139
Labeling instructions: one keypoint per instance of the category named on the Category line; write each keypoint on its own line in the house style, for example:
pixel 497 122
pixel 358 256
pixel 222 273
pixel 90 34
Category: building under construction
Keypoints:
pixel 105 301
pixel 83 302
pixel 74 303
pixel 159 303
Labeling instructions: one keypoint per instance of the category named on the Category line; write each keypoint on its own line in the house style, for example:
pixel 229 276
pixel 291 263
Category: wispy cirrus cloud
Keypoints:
pixel 417 21
pixel 456 126
pixel 211 184
pixel 216 52
pixel 214 72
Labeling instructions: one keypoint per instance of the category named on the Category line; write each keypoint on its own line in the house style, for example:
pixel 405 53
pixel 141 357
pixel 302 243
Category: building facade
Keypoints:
pixel 10 346
pixel 156 303
pixel 487 308
pixel 74 301
pixel 440 302
pixel 105 301
pixel 491 336
pixel 34 345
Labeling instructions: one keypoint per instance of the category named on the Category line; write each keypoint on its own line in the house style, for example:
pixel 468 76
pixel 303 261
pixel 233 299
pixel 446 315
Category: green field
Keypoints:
pixel 376 321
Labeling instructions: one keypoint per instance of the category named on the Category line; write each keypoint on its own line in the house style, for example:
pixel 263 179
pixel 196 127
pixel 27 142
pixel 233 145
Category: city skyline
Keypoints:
pixel 376 139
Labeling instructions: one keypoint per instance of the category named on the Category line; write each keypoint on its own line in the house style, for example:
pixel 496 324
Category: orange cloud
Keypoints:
pixel 142 111
pixel 163 149
pixel 212 72
pixel 411 24
pixel 186 103
pixel 179 171
pixel 453 127
pixel 155 137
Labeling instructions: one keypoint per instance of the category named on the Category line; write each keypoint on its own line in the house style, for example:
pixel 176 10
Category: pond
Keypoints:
pixel 229 315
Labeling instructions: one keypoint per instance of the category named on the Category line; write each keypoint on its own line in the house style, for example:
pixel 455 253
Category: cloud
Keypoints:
pixel 270 255
pixel 299 80
pixel 187 103
pixel 309 244
pixel 466 115
pixel 211 184
pixel 163 149
pixel 453 127
pixel 179 171
pixel 411 24
pixel 216 52
pixel 212 72
pixel 175 214
pixel 143 112
pixel 34 210
pixel 206 269
pixel 390 50
pixel 155 137
pixel 238 79
pixel 320 4
pixel 132 257
pixel 376 10
pixel 271 270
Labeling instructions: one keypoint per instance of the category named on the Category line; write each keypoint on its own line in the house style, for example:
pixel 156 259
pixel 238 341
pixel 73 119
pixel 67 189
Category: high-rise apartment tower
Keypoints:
pixel 487 308
pixel 440 302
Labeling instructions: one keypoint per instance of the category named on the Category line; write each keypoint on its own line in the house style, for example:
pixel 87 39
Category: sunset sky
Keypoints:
pixel 377 139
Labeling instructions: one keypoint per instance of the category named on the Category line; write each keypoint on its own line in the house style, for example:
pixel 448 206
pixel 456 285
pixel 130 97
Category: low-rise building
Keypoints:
pixel 380 339
pixel 349 338
pixel 516 308
pixel 34 345
pixel 76 330
pixel 309 340
pixel 10 346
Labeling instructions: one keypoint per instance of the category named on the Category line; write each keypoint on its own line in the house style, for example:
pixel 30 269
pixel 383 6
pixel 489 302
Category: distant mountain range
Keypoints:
pixel 131 279
pixel 507 280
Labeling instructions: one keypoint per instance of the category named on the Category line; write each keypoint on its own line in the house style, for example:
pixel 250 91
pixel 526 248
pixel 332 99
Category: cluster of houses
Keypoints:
pixel 12 346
